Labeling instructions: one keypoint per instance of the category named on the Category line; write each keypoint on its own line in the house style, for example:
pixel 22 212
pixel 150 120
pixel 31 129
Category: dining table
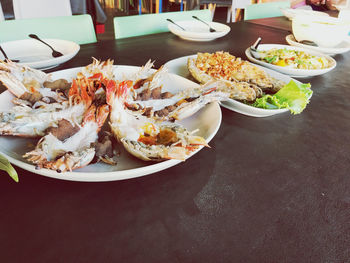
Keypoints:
pixel 269 189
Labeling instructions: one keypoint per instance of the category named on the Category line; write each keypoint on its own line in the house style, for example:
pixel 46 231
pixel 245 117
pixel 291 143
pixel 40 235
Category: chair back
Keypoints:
pixel 265 10
pixel 2 17
pixel 77 28
pixel 138 25
pixel 24 9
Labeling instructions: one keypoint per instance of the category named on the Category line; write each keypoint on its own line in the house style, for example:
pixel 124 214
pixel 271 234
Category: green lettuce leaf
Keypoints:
pixel 293 96
pixel 7 167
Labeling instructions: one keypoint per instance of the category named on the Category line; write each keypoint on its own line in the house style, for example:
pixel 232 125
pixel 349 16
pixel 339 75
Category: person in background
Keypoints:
pixel 321 5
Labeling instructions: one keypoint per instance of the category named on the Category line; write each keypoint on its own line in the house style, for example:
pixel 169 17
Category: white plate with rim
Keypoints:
pixel 343 47
pixel 34 54
pixel 198 31
pixel 298 73
pixel 290 13
pixel 207 120
pixel 179 66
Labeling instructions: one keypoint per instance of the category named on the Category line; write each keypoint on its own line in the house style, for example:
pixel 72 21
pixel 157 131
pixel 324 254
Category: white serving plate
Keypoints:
pixel 179 66
pixel 343 47
pixel 290 13
pixel 207 121
pixel 299 73
pixel 33 53
pixel 198 31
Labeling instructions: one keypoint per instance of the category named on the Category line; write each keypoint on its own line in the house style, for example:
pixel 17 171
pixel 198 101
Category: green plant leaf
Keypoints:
pixel 293 96
pixel 6 166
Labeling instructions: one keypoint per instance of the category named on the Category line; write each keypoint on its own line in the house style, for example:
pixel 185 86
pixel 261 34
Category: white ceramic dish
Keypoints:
pixel 324 31
pixel 32 53
pixel 301 73
pixel 198 31
pixel 290 13
pixel 207 120
pixel 179 66
pixel 343 47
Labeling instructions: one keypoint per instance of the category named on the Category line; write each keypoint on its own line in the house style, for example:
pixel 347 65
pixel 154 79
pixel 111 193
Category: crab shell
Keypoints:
pixel 153 152
pixel 179 150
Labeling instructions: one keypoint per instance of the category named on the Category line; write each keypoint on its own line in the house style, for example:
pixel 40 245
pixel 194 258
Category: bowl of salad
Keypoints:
pixel 293 61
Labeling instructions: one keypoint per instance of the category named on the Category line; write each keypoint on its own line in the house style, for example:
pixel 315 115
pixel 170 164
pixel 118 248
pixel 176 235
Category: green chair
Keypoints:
pixel 265 10
pixel 76 28
pixel 138 25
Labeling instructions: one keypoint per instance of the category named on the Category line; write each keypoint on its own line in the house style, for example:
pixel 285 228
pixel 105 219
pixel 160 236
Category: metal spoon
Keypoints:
pixel 256 44
pixel 210 28
pixel 308 42
pixel 171 21
pixel 305 42
pixel 6 57
pixel 254 48
pixel 55 53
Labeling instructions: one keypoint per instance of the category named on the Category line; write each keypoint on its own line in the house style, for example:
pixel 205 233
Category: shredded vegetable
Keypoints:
pixel 293 58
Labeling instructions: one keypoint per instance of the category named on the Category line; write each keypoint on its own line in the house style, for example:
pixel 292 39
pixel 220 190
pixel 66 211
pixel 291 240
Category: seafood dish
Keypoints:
pixel 256 87
pixel 222 65
pixel 90 117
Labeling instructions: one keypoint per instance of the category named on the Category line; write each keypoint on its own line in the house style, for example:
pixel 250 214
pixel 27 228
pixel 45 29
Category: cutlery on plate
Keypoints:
pixel 254 48
pixel 6 57
pixel 305 42
pixel 55 53
pixel 171 21
pixel 308 42
pixel 210 28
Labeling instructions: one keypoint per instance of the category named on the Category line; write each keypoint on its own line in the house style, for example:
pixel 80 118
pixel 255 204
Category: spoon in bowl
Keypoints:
pixel 55 53
pixel 308 42
pixel 6 57
pixel 210 28
pixel 171 21
pixel 254 48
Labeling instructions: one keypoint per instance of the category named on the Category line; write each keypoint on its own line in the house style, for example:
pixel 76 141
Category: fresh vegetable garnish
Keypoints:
pixel 6 166
pixel 293 96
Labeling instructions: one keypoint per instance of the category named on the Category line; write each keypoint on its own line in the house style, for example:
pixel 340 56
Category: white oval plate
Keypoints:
pixel 198 31
pixel 290 13
pixel 299 73
pixel 207 120
pixel 343 47
pixel 33 53
pixel 179 66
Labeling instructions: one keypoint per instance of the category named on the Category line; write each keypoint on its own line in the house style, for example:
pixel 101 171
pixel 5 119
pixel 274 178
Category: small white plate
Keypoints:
pixel 33 53
pixel 290 13
pixel 207 121
pixel 179 66
pixel 299 73
pixel 198 31
pixel 343 47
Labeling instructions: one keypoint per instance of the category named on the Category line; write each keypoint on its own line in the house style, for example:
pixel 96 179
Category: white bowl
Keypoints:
pixel 198 31
pixel 324 31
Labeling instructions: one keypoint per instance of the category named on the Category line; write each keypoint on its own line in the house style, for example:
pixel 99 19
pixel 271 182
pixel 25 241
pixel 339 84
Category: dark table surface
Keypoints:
pixel 274 189
pixel 281 22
